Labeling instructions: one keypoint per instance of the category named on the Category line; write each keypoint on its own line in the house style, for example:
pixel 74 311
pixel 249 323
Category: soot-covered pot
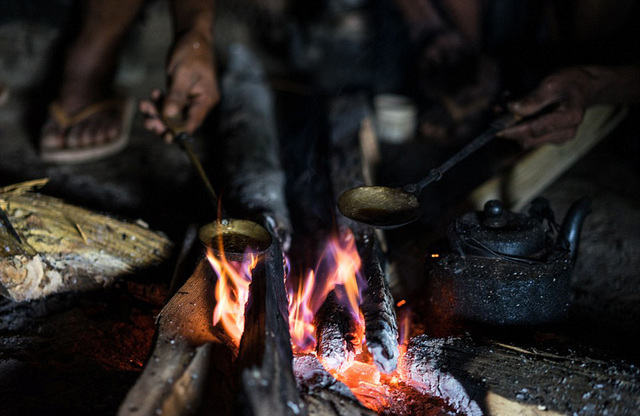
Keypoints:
pixel 507 268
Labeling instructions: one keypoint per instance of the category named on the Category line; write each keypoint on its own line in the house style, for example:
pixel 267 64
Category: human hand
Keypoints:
pixel 192 89
pixel 568 92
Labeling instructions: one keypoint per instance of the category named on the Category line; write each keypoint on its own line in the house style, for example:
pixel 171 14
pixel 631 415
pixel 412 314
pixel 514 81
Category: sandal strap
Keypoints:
pixel 66 120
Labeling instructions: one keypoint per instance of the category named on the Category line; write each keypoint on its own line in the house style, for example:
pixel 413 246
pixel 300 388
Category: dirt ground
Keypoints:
pixel 45 353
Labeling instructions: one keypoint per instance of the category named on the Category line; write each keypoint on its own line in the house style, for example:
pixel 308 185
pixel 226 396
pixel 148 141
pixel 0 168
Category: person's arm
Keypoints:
pixel 192 89
pixel 571 90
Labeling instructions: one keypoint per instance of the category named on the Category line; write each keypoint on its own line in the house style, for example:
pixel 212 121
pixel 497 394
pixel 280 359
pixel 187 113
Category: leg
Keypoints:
pixel 90 65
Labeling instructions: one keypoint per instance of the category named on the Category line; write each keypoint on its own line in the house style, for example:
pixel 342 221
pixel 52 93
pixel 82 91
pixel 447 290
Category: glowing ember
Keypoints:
pixel 232 292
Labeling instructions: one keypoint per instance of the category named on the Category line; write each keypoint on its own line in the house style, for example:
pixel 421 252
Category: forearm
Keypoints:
pixel 193 16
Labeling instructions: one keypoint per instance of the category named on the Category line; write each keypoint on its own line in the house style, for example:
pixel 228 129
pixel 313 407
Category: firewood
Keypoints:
pixel 423 369
pixel 254 178
pixel 381 327
pixel 505 379
pixel 322 393
pixel 190 370
pixel 335 329
pixel 266 382
pixel 58 247
pixel 346 171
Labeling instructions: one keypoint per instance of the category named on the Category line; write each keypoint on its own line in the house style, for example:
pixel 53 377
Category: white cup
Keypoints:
pixel 395 118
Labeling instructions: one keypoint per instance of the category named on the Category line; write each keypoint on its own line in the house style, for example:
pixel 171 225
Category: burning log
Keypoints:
pixel 190 370
pixel 335 329
pixel 423 369
pixel 267 385
pixel 255 189
pixel 51 246
pixel 505 379
pixel 381 330
pixel 324 394
pixel 252 169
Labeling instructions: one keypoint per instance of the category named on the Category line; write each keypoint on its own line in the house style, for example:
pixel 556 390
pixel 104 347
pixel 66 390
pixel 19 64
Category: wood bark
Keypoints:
pixel 190 370
pixel 322 393
pixel 266 382
pixel 254 179
pixel 335 329
pixel 507 378
pixel 58 247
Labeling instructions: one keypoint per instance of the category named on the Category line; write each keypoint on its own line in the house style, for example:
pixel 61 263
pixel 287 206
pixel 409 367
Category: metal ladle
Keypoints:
pixel 227 236
pixel 386 208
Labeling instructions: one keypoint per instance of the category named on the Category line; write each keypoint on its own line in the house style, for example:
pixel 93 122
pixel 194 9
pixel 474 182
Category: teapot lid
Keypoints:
pixel 496 230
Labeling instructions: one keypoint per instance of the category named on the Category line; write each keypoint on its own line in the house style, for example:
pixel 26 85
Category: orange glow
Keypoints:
pixel 402 302
pixel 435 255
pixel 232 292
pixel 338 270
pixel 301 316
pixel 404 325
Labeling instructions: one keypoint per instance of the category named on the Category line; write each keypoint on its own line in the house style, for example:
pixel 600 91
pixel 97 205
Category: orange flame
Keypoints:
pixel 301 315
pixel 337 269
pixel 232 292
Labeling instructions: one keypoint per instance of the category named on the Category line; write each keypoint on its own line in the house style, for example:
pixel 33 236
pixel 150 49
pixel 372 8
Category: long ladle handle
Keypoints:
pixel 184 140
pixel 436 173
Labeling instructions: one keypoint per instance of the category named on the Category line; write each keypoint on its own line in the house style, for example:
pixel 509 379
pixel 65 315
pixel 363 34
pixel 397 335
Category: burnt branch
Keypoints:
pixel 335 329
pixel 254 179
pixel 267 385
pixel 188 358
pixel 322 393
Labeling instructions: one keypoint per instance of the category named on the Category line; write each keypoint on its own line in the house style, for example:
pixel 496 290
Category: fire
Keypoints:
pixel 232 292
pixel 301 315
pixel 338 270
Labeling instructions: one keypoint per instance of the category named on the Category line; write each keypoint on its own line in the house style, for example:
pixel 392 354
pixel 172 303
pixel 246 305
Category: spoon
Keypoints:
pixel 387 208
pixel 227 236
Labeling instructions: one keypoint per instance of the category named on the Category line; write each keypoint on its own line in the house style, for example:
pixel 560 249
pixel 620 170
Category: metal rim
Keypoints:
pixel 235 238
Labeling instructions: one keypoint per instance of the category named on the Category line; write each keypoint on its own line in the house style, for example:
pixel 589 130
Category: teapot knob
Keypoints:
pixel 494 214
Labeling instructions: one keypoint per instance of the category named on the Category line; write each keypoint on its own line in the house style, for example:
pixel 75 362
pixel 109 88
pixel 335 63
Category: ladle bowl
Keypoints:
pixel 379 206
pixel 384 207
pixel 235 239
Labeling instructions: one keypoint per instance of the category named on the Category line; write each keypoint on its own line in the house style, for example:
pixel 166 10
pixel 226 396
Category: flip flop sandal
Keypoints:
pixel 77 155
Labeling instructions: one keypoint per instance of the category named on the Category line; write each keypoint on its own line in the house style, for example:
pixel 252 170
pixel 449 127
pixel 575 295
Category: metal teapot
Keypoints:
pixel 507 268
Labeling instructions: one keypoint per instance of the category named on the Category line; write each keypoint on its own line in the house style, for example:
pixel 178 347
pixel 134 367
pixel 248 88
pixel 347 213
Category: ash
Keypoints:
pixel 422 366
pixel 311 376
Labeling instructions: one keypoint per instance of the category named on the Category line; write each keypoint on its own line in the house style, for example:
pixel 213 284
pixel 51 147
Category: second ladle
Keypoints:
pixel 228 237
pixel 386 208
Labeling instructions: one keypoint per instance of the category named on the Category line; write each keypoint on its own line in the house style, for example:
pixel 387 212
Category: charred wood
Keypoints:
pixel 424 369
pixel 254 179
pixel 189 371
pixel 335 329
pixel 322 393
pixel 266 382
pixel 508 378
pixel 346 165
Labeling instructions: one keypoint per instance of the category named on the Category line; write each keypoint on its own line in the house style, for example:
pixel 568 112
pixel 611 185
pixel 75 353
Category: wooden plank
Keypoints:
pixel 539 168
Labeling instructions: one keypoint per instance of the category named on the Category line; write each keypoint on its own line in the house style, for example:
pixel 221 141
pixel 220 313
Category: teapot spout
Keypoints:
pixel 569 237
